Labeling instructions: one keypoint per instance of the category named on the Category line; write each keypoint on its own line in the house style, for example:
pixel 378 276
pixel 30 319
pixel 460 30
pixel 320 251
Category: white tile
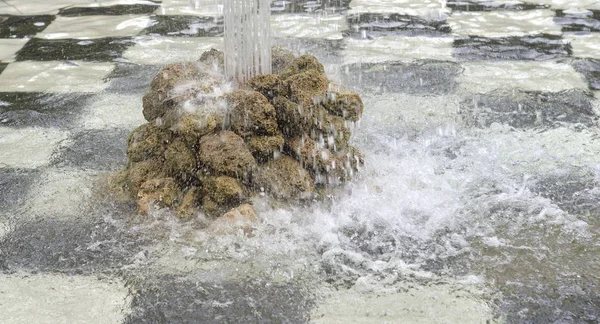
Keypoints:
pixel 504 23
pixel 482 77
pixel 51 7
pixel 28 147
pixel 209 8
pixel 159 50
pixel 101 113
pixel 88 27
pixel 428 9
pixel 9 47
pixel 59 193
pixel 568 4
pixel 397 48
pixel 28 76
pixel 322 26
pixel 584 45
pixel 55 298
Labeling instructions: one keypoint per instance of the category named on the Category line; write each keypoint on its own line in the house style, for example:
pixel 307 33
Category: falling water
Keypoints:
pixel 247 38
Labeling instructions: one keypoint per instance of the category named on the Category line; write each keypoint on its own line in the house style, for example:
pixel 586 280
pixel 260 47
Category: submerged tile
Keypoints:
pixel 584 45
pixel 534 47
pixel 56 298
pixel 27 109
pixel 186 26
pixel 9 47
pixel 578 20
pixel 100 49
pixel 160 50
pixel 23 26
pixel 100 112
pixel 486 5
pixel 323 26
pixel 425 77
pixel 93 149
pixel 37 7
pixel 503 23
pixel 369 25
pixel 308 6
pixel 209 8
pixel 14 185
pixel 114 10
pixel 3 66
pixel 527 109
pixel 129 78
pixel 28 148
pixel 590 68
pixel 427 9
pixel 397 48
pixel 89 27
pixel 32 76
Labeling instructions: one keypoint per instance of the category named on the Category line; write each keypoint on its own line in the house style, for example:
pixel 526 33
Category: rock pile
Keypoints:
pixel 209 147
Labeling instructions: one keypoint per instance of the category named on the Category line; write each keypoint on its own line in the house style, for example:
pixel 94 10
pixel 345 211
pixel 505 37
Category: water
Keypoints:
pixel 478 199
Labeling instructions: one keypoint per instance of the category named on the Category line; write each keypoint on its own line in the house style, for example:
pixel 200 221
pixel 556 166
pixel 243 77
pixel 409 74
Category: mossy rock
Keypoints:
pixel 284 178
pixel 307 87
pixel 191 127
pixel 140 172
pixel 269 85
pixel 334 131
pixel 225 153
pixel 221 194
pixel 252 114
pixel 302 64
pixel 289 115
pixel 240 218
pixel 158 193
pixel 281 59
pixel 213 57
pixel 190 203
pixel 179 158
pixel 147 141
pixel 264 148
pixel 345 104
pixel 312 157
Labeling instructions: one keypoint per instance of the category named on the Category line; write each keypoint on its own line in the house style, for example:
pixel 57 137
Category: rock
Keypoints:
pixel 269 85
pixel 302 64
pixel 221 193
pixel 345 104
pixel 263 148
pixel 289 115
pixel 192 127
pixel 140 172
pixel 285 179
pixel 252 114
pixel 189 204
pixel 226 153
pixel 238 218
pixel 160 193
pixel 213 57
pixel 334 132
pixel 180 159
pixel 281 58
pixel 307 86
pixel 147 141
pixel 312 157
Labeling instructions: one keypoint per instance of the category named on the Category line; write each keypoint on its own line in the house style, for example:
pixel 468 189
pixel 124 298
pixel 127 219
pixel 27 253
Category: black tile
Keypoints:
pixel 590 68
pixel 26 109
pixel 102 49
pixel 309 6
pixel 131 78
pixel 186 26
pixel 94 150
pixel 426 77
pixel 535 47
pixel 136 9
pixel 570 22
pixel 469 5
pixel 2 67
pixel 23 26
pixel 173 299
pixel 529 109
pixel 325 50
pixel 14 185
pixel 367 25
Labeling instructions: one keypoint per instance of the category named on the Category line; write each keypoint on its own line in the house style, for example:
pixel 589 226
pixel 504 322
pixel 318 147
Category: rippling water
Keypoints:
pixel 478 201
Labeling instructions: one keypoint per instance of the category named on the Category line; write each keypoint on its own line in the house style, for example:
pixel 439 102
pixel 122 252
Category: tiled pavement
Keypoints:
pixel 72 73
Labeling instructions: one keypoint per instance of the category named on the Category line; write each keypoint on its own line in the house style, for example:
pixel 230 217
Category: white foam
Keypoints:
pixel 28 147
pixel 50 299
pixel 52 76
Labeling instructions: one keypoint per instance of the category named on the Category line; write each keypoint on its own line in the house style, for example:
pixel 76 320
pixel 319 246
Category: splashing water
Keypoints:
pixel 247 38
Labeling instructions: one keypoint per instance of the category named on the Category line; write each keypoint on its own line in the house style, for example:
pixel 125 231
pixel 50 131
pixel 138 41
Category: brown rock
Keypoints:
pixel 213 57
pixel 179 158
pixel 226 153
pixel 238 218
pixel 345 104
pixel 158 193
pixel 308 86
pixel 285 179
pixel 334 132
pixel 147 141
pixel 189 204
pixel 140 172
pixel 221 194
pixel 281 58
pixel 269 85
pixel 312 157
pixel 302 64
pixel 263 148
pixel 290 117
pixel 192 127
pixel 252 114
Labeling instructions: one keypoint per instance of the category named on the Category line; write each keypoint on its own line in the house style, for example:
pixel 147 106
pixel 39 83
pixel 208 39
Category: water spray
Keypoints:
pixel 247 38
